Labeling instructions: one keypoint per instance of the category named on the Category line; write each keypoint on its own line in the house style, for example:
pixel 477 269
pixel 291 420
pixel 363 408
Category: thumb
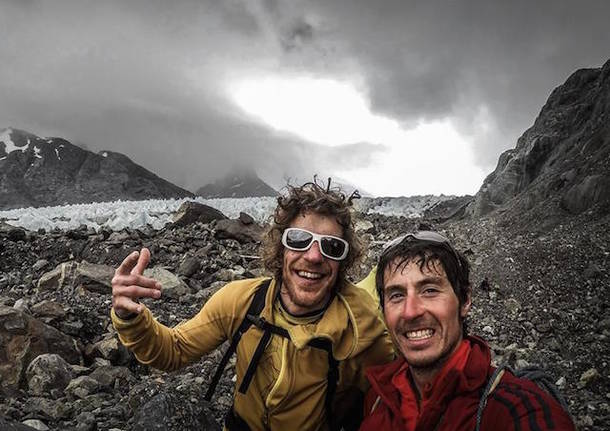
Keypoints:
pixel 143 261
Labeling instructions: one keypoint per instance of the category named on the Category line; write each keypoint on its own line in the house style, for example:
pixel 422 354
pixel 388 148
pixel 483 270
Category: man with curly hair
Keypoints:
pixel 303 337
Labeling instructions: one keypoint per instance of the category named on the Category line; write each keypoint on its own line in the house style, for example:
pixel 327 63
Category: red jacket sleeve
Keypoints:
pixel 521 405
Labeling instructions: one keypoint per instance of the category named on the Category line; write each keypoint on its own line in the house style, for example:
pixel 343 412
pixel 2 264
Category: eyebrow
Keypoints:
pixel 426 280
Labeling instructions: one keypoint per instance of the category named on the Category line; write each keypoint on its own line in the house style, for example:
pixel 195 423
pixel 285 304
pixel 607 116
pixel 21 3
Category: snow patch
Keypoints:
pixel 10 146
pixel 57 153
pixel 36 151
pixel 104 154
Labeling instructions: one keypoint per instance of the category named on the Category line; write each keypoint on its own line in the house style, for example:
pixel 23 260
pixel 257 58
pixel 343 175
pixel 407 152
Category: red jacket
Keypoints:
pixel 515 404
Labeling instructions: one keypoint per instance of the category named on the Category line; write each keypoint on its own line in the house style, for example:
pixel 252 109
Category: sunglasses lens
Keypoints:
pixel 333 247
pixel 298 239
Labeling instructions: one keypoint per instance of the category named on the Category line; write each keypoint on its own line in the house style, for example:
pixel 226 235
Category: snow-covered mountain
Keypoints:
pixel 238 185
pixel 37 172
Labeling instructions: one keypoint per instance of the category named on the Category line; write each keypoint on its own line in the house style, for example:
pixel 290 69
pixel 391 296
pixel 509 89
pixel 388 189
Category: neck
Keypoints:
pixel 299 310
pixel 423 376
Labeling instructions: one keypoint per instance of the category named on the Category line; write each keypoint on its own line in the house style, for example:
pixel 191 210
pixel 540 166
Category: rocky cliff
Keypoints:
pixel 37 171
pixel 561 165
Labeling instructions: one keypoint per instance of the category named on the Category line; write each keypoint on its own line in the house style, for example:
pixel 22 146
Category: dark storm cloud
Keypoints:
pixel 148 78
pixel 470 60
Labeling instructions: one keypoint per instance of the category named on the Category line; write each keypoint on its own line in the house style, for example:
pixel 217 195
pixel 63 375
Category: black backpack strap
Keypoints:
pixel 233 422
pixel 255 308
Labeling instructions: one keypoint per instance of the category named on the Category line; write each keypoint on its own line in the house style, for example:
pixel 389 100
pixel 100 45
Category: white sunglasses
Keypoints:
pixel 332 247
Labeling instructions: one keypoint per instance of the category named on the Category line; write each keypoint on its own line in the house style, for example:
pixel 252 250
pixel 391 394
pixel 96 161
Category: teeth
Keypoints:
pixel 419 335
pixel 310 275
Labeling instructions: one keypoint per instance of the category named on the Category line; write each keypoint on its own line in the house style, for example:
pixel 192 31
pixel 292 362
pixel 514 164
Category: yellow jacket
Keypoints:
pixel 289 386
pixel 368 284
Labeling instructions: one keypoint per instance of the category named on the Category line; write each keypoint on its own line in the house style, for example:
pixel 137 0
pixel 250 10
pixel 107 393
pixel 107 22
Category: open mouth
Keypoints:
pixel 420 334
pixel 310 275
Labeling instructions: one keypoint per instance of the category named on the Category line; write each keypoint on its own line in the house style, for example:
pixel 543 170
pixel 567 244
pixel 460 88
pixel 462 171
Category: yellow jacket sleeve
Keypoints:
pixel 166 348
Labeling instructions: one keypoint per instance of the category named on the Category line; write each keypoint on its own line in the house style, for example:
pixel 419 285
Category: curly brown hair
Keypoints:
pixel 311 197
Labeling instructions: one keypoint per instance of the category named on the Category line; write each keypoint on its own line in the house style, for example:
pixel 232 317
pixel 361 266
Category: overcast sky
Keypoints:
pixel 396 97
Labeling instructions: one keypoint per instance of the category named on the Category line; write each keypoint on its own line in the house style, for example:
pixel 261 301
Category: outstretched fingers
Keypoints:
pixel 128 284
pixel 142 263
pixel 128 264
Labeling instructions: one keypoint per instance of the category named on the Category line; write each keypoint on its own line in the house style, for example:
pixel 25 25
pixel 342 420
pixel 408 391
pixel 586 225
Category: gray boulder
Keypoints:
pixel 82 386
pixel 69 275
pixel 110 349
pixel 48 373
pixel 22 339
pixel 6 425
pixel 192 212
pixel 236 229
pixel 48 309
pixel 107 376
pixel 94 277
pixel 155 414
pixel 171 285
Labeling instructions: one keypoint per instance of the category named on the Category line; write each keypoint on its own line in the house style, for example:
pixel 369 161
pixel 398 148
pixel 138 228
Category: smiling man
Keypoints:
pixel 303 337
pixel 438 380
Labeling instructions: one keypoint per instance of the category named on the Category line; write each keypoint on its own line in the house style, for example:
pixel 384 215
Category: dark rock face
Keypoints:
pixel 22 339
pixel 191 212
pixel 51 171
pixel 237 186
pixel 563 160
pixel 237 229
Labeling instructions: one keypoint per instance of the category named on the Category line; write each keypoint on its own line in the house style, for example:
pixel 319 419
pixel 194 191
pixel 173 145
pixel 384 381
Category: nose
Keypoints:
pixel 413 307
pixel 314 254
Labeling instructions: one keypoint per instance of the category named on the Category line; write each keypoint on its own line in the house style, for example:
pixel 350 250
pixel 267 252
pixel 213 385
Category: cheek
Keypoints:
pixel 390 316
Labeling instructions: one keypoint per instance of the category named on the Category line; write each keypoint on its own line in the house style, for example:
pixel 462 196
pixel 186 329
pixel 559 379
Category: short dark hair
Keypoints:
pixel 426 254
pixel 311 197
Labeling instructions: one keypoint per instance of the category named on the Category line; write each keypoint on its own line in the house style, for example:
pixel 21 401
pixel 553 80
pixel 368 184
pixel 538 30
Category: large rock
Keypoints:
pixel 23 338
pixel 61 275
pixel 108 376
pixel 69 275
pixel 50 310
pixel 48 373
pixel 171 285
pixel 110 349
pixel 94 277
pixel 155 414
pixel 5 425
pixel 192 212
pixel 82 386
pixel 236 229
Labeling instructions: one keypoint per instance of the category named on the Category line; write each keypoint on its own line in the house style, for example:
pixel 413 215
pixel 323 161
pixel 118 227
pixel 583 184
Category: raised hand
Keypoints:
pixel 128 284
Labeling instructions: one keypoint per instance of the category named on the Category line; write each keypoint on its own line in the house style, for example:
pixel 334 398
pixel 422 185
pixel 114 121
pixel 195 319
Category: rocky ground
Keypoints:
pixel 541 297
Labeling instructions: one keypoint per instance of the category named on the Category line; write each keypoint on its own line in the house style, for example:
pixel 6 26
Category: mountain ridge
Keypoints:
pixel 37 171
pixel 240 184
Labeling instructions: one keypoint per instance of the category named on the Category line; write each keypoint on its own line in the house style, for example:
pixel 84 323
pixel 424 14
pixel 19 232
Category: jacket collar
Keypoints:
pixel 349 322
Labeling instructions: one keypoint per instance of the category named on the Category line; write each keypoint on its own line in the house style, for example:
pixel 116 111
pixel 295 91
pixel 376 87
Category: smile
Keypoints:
pixel 310 275
pixel 420 334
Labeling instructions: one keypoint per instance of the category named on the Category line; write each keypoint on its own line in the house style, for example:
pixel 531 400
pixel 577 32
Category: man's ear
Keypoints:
pixel 465 308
